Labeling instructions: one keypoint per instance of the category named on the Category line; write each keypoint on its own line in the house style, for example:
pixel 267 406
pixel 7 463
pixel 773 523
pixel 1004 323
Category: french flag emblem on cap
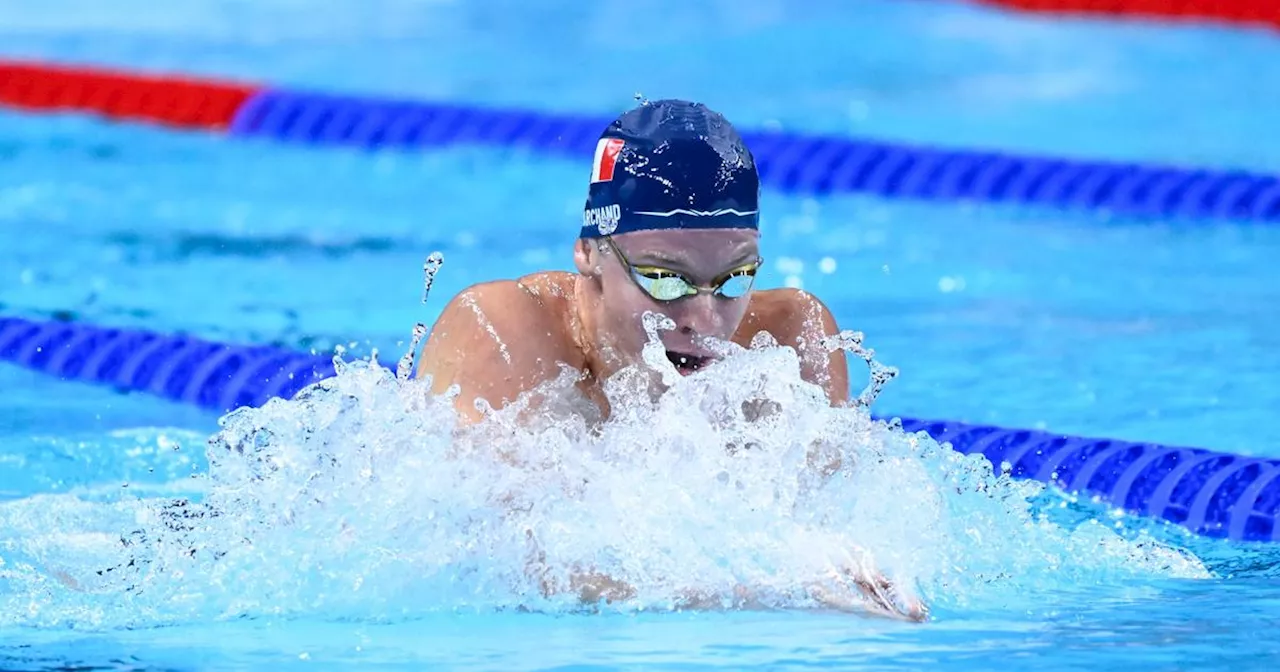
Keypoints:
pixel 607 151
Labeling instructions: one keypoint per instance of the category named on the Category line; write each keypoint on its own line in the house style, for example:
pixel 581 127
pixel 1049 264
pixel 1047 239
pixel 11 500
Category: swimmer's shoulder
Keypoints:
pixel 802 321
pixel 525 318
pixel 552 291
pixel 536 297
pixel 787 313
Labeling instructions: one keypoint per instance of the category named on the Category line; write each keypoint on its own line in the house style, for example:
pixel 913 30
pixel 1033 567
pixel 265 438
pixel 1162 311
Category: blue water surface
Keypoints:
pixel 1163 332
pixel 921 71
pixel 1018 318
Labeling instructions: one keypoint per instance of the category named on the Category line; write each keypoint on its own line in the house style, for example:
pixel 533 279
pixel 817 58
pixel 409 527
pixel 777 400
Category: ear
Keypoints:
pixel 586 257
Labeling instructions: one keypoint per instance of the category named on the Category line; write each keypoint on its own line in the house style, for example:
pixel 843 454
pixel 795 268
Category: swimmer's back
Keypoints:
pixel 498 339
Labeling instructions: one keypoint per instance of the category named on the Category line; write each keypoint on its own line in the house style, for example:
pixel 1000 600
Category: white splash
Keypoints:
pixel 362 499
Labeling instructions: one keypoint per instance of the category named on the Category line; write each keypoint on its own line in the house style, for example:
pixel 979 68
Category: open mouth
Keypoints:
pixel 686 363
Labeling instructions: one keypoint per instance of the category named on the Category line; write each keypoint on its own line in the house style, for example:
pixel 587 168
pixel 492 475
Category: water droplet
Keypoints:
pixel 429 269
pixel 405 368
pixel 851 342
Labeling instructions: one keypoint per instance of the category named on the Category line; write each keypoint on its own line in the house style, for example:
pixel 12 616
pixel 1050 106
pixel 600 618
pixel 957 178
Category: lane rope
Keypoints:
pixel 788 162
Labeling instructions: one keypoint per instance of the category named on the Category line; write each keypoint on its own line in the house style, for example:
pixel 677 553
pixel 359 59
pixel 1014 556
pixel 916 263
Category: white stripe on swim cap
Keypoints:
pixel 700 213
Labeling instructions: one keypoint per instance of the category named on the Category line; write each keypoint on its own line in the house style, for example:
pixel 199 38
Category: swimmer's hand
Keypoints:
pixel 857 589
pixel 591 587
pixel 841 592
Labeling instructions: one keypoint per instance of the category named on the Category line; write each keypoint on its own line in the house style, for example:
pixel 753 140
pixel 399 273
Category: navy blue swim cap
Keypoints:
pixel 671 164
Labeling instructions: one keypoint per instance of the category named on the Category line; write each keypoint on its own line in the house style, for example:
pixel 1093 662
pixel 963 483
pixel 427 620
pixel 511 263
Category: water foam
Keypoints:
pixel 736 487
pixel 362 498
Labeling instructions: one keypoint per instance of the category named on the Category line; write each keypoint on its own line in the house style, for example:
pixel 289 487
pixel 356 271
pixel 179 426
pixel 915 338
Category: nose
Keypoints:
pixel 698 316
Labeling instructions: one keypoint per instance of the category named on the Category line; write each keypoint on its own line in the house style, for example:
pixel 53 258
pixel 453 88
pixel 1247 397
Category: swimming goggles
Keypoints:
pixel 667 285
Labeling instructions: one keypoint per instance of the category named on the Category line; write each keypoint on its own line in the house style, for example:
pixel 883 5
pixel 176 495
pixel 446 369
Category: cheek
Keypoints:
pixel 732 313
pixel 626 329
pixel 625 307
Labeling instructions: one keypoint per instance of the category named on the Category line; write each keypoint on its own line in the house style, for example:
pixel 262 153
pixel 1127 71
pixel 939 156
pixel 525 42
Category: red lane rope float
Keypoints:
pixel 169 100
pixel 1233 11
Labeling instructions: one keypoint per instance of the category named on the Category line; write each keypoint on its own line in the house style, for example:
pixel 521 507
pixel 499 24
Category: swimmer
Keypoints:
pixel 670 226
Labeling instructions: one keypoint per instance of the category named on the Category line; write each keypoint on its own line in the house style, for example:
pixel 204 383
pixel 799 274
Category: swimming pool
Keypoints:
pixel 1082 324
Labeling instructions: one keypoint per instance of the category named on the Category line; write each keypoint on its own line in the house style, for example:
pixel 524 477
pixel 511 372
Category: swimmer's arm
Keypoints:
pixel 849 590
pixel 481 344
pixel 814 326
pixel 588 586
pixel 799 320
pixel 591 587
pixel 802 321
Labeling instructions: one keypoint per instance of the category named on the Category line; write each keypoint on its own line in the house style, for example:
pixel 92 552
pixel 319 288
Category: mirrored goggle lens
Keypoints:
pixel 737 285
pixel 666 287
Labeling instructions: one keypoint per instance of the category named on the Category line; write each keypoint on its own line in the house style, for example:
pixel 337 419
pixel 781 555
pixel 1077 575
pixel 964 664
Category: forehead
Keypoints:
pixel 708 249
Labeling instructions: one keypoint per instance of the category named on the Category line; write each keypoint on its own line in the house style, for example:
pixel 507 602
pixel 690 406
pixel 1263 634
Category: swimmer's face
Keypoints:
pixel 638 270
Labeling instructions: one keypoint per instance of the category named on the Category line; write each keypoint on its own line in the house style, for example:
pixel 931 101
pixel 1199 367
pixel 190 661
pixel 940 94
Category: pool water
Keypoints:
pixel 1079 323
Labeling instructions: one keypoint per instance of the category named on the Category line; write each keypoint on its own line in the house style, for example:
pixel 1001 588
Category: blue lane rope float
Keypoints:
pixel 214 376
pixel 788 162
pixel 1210 493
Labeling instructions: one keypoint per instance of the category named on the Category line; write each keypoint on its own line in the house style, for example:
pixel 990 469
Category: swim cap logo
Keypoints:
pixel 604 218
pixel 607 150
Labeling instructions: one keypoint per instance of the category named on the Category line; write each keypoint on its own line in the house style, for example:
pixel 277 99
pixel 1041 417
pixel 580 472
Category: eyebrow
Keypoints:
pixel 678 263
pixel 659 258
